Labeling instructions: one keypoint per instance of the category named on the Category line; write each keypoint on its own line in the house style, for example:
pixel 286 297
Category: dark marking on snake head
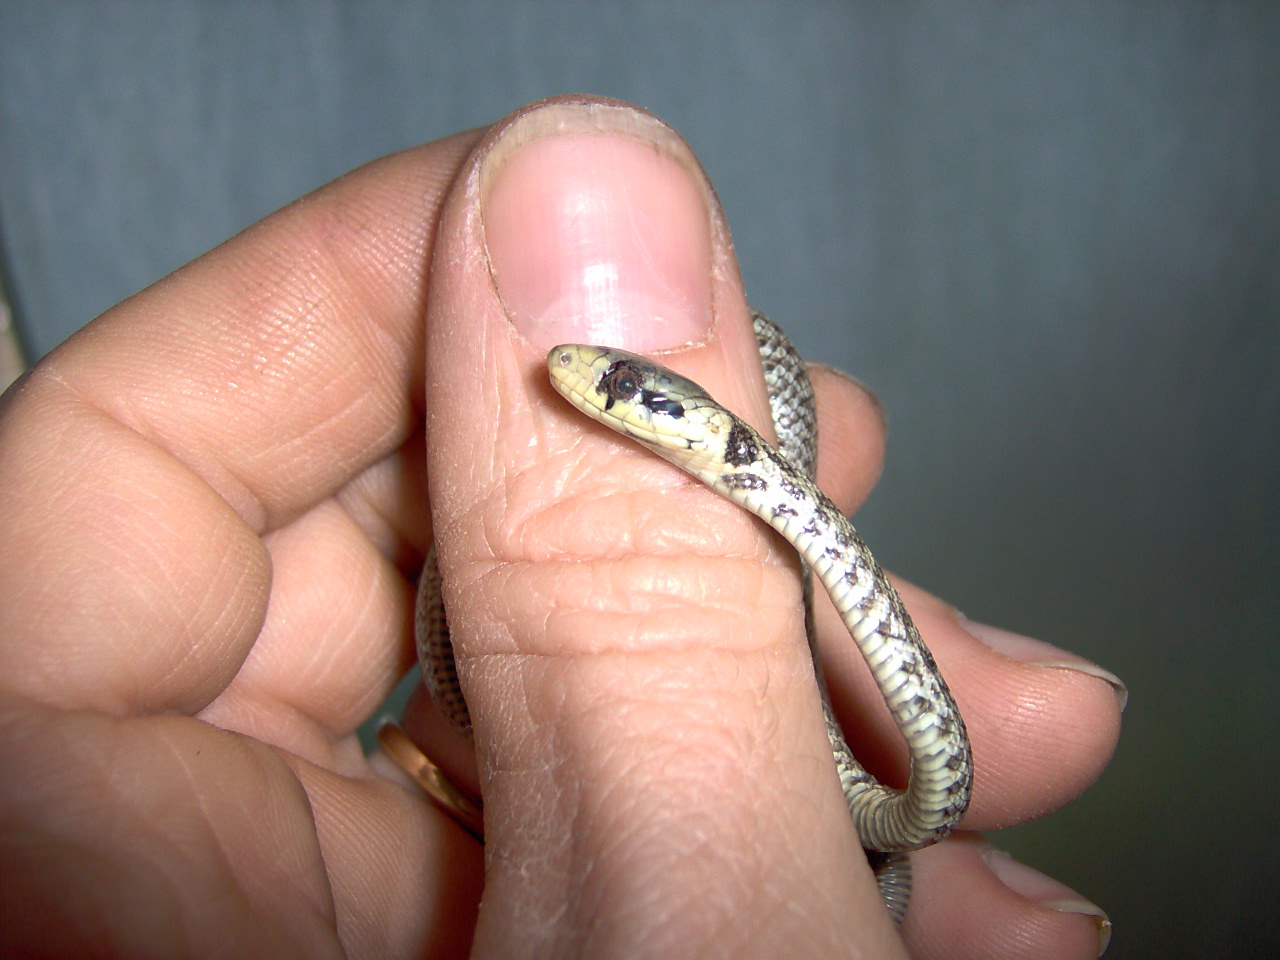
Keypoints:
pixel 621 382
pixel 741 447
pixel 658 403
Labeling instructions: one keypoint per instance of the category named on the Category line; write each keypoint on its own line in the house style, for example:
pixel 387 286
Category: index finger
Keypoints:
pixel 142 459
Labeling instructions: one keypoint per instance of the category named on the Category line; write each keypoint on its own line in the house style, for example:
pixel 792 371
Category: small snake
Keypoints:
pixel 679 421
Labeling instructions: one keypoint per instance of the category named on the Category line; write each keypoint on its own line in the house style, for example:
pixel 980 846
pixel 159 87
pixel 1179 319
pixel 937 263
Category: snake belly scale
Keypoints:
pixel 678 420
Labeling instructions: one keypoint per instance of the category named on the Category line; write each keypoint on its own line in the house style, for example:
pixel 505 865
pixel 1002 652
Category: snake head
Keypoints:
pixel 632 395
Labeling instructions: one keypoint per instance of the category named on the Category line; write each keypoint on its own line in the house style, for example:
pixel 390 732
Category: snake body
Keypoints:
pixel 678 420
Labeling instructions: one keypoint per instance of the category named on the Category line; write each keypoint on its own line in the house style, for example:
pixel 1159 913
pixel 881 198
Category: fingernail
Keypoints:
pixel 597 225
pixel 1028 650
pixel 1046 892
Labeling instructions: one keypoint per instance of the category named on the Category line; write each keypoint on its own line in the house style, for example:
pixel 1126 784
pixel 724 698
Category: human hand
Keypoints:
pixel 212 495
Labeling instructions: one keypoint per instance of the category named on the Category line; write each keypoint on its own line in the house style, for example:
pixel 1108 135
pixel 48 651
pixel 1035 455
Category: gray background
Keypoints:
pixel 1047 234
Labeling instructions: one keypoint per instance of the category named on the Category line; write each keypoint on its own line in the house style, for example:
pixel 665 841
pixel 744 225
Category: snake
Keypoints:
pixel 679 421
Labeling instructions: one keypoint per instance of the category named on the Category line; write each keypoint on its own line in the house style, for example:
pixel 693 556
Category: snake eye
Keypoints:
pixel 620 382
pixel 625 385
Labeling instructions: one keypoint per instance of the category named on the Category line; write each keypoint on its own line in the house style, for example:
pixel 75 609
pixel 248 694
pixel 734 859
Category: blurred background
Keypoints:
pixel 1047 234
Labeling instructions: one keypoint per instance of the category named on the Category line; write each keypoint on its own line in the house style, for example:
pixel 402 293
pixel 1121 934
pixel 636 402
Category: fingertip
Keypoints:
pixel 1030 650
pixel 971 899
pixel 1043 730
pixel 851 436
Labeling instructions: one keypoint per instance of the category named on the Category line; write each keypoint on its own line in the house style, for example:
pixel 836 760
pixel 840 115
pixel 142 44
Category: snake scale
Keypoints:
pixel 678 420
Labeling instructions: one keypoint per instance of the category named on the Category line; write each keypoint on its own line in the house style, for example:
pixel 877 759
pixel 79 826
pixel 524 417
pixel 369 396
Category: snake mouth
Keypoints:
pixel 573 374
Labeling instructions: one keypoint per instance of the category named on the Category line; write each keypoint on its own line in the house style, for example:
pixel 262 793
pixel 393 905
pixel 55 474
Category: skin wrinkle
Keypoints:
pixel 281 340
pixel 254 511
pixel 322 682
pixel 321 228
pixel 119 771
pixel 680 516
pixel 110 425
pixel 202 458
pixel 641 910
pixel 641 582
pixel 546 524
pixel 705 846
pixel 380 513
pixel 621 886
pixel 158 605
pixel 296 857
pixel 611 778
pixel 679 621
pixel 699 767
pixel 212 838
pixel 316 678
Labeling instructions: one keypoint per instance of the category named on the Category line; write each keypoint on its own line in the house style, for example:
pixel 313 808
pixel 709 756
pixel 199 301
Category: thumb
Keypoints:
pixel 650 744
